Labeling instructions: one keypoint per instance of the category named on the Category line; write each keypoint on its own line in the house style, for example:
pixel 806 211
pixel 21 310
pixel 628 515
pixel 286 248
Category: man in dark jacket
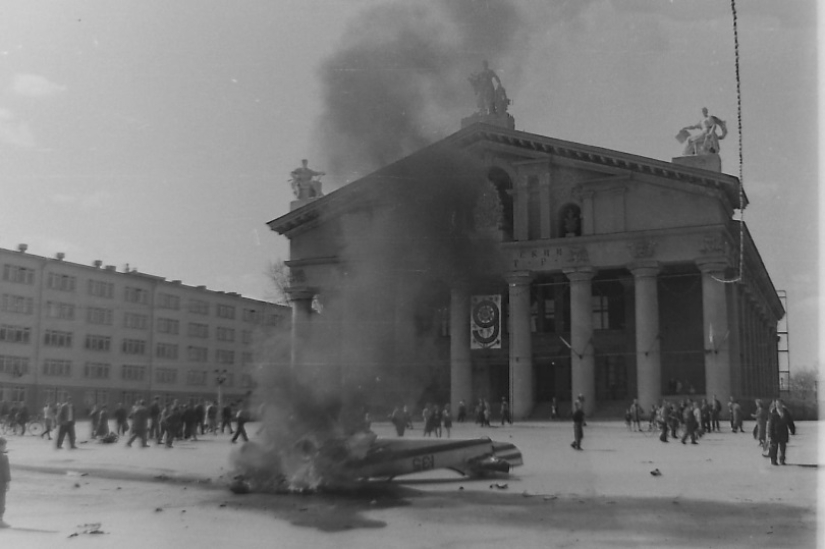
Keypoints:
pixel 122 424
pixel 173 423
pixel 65 420
pixel 200 415
pixel 23 418
pixel 154 419
pixel 140 424
pixel 781 423
pixel 226 418
pixel 243 416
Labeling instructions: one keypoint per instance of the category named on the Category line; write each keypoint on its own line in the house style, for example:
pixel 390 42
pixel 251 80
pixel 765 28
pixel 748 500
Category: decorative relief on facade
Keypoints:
pixel 548 258
pixel 642 249
pixel 577 255
pixel 713 244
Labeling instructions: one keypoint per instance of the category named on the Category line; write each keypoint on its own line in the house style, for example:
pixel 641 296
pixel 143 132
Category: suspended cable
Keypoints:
pixel 741 163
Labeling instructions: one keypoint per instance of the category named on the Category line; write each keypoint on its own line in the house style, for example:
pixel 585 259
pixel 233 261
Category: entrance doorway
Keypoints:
pixel 611 378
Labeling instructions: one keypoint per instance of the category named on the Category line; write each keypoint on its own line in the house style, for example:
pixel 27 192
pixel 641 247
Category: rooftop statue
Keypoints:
pixel 707 140
pixel 304 182
pixel 491 99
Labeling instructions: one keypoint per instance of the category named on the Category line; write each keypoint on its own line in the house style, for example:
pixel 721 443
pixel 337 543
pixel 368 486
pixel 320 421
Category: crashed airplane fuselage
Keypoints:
pixel 389 458
pixel 319 462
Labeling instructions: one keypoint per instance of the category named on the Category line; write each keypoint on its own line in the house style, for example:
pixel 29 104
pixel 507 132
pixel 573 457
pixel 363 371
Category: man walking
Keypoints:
pixel 578 423
pixel 65 421
pixel 242 418
pixel 664 420
pixel 121 423
pixel 154 419
pixel 140 424
pixel 505 411
pixel 716 410
pixel 690 423
pixel 226 418
pixel 781 423
pixel 636 415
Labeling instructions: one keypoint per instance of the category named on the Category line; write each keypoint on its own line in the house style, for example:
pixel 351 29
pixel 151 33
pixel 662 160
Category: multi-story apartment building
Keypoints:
pixel 109 336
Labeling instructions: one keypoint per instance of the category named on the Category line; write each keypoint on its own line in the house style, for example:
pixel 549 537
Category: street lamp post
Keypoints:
pixel 221 376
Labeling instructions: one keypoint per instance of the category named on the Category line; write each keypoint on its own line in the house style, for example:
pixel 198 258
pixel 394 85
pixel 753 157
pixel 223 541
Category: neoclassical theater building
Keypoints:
pixel 497 263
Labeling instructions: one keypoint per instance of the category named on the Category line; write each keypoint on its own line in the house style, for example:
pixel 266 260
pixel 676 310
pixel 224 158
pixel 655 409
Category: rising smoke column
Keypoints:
pixel 399 80
pixel 400 74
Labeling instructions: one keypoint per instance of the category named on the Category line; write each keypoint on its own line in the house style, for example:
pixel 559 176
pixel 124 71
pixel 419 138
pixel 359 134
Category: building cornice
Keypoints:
pixel 533 148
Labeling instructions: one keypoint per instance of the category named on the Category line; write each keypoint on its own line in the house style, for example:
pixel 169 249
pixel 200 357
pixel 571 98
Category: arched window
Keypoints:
pixel 504 187
pixel 570 221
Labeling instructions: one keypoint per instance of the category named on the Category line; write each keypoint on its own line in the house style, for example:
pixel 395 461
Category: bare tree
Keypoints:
pixel 804 381
pixel 279 274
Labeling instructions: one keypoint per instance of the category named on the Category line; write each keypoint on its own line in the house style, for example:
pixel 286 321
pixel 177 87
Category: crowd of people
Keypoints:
pixel 692 419
pixel 15 416
pixel 162 423
pixel 438 420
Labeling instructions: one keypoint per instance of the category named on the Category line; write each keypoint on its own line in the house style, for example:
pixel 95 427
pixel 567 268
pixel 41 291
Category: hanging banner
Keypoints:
pixel 485 322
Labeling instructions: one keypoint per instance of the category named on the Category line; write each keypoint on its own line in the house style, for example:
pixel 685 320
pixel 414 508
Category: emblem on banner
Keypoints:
pixel 485 322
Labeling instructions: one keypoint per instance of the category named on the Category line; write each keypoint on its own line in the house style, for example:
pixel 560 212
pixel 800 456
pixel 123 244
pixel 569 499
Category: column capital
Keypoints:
pixel 298 293
pixel 644 268
pixel 580 274
pixel 519 278
pixel 712 265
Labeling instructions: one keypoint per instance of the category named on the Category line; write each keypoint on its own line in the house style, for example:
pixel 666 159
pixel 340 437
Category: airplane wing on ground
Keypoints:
pixel 389 458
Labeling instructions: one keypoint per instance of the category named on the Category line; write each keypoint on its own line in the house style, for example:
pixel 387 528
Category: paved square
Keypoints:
pixel 719 493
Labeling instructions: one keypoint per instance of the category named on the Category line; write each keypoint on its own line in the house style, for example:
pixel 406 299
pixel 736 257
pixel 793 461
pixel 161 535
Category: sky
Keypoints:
pixel 161 134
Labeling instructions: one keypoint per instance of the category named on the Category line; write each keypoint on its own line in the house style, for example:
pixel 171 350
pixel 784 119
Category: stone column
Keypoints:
pixel 461 372
pixel 582 359
pixel 521 344
pixel 648 342
pixel 300 297
pixel 715 325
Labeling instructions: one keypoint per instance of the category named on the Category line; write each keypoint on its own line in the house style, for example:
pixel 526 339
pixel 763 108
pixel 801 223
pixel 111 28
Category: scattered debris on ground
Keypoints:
pixel 92 528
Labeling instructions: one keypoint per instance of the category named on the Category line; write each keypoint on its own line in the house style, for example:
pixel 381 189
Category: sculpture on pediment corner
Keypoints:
pixel 306 182
pixel 707 140
pixel 642 249
pixel 491 97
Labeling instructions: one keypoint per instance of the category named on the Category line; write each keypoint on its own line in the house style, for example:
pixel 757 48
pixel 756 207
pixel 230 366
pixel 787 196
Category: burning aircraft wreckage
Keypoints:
pixel 317 463
pixel 302 452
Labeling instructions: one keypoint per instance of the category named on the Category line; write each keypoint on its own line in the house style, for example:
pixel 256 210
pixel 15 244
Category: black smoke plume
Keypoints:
pixel 398 78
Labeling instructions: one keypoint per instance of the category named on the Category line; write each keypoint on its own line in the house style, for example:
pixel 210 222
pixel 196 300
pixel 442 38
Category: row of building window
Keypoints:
pixel 14 366
pixel 56 338
pixel 169 351
pixel 20 275
pixel 17 304
pixel 94 370
pixel 103 289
